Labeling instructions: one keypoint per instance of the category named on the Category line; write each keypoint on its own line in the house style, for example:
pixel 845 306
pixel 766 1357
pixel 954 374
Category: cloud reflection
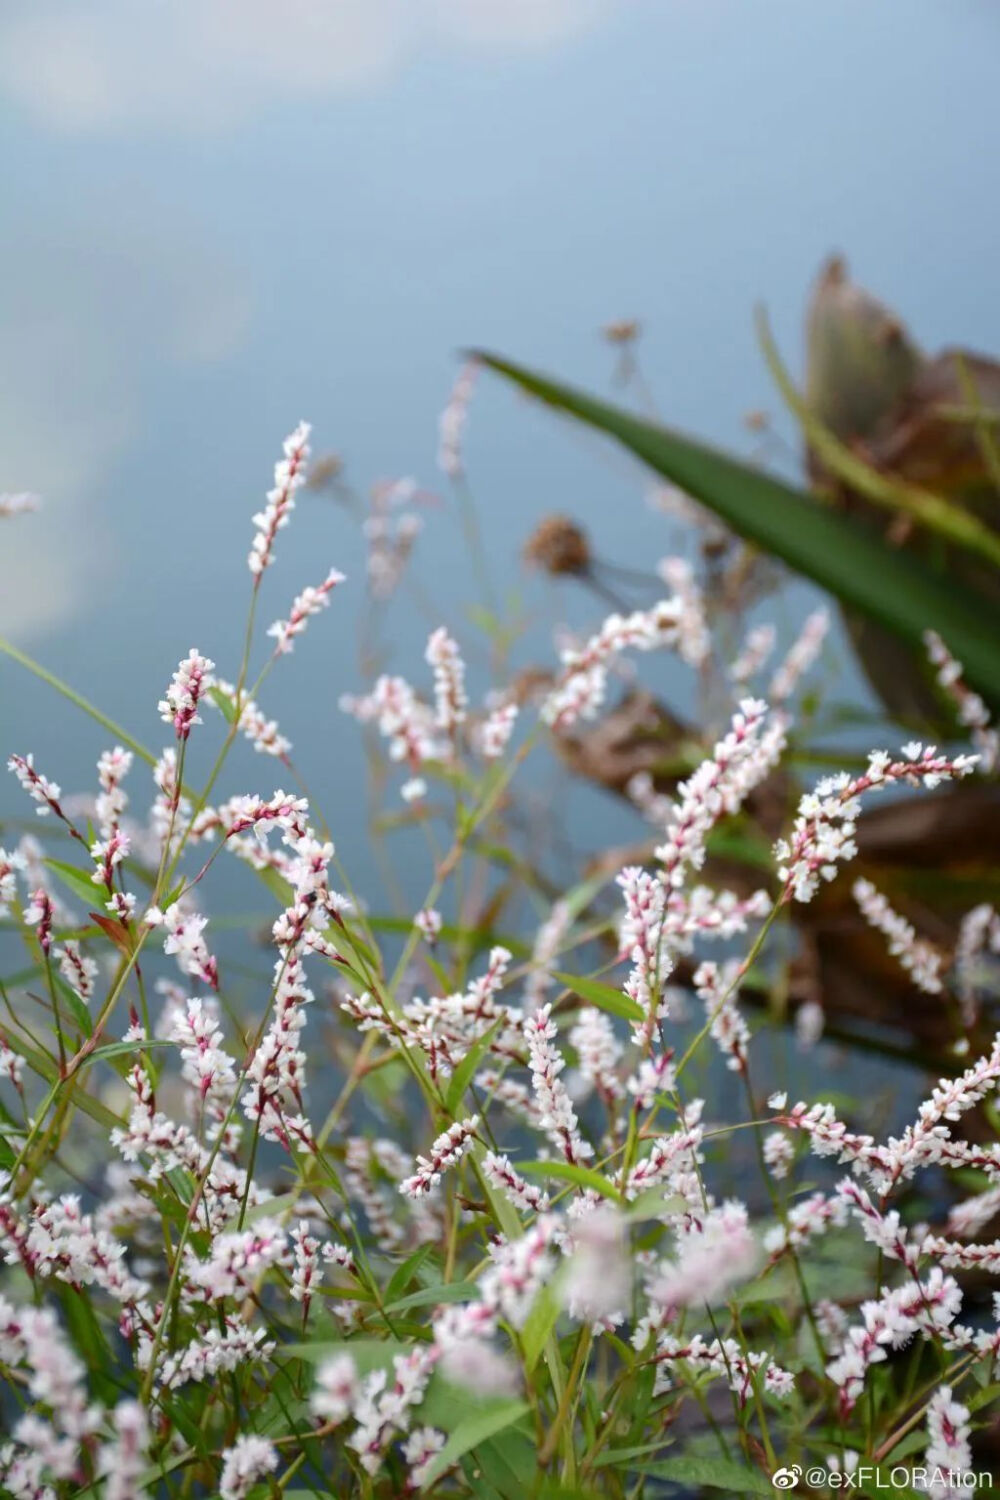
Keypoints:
pixel 188 64
pixel 72 387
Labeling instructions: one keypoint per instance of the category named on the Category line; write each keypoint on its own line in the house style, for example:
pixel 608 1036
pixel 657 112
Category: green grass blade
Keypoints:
pixel 840 554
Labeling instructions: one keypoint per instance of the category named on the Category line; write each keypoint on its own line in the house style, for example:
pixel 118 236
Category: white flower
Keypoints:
pixel 335 1390
pixel 248 1460
pixel 180 705
pixel 310 602
pixel 599 1273
pixel 449 680
pixel 289 476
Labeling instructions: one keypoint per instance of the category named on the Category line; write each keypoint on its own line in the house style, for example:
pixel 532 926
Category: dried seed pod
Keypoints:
pixel 560 547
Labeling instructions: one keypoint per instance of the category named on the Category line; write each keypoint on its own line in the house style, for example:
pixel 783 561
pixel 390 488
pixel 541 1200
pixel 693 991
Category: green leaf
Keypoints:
pixel 74 880
pixel 444 1291
pixel 711 1473
pixel 224 704
pixel 509 1464
pixel 839 553
pixel 123 1049
pixel 367 1354
pixel 462 1076
pixel 539 1324
pixel 404 1274
pixel 565 1171
pixel 604 996
pixel 46 1067
pixel 493 1417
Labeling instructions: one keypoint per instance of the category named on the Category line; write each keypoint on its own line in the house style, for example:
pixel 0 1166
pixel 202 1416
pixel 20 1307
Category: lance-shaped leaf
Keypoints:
pixel 839 553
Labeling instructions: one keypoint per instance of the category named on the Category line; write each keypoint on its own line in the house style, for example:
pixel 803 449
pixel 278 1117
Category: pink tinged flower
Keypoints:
pixel 779 1153
pixel 800 657
pixel 810 1022
pixel 452 422
pixel 808 1217
pixel 420 1450
pixel 381 1410
pixel 307 1269
pixel 520 1268
pixel 557 1115
pixel 11 865
pixel 18 503
pixel 599 1053
pixel 310 602
pixel 493 734
pixel 653 1076
pixel 180 705
pixel 546 948
pixel 409 726
pixel 122 906
pixel 693 640
pixel 182 937
pixel 11 1063
pixel 282 811
pixel 276 1072
pixel 753 653
pixel 214 1352
pixel 598 1285
pixel 716 988
pixel 975 957
pixel 739 762
pixel 449 1148
pixel 971 1216
pixel 249 1460
pixel 112 768
pixel 414 790
pixel 581 687
pixel 429 923
pixel 824 830
pixel 928 1307
pixel 39 915
pixel 526 1196
pixel 107 855
pixel 726 1359
pixel 123 1461
pixel 920 959
pixel 449 680
pixel 972 711
pixel 38 787
pixel 236 1260
pixel 32 1340
pixel 391 538
pixel 948 1431
pixel 335 1390
pixel 263 733
pixel 474 1364
pixel 289 477
pixel 640 940
pixel 79 972
pixel 711 1258
pixel 205 1065
pixel 672 1162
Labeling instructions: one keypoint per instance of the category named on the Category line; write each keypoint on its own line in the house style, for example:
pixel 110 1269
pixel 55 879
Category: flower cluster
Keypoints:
pixel 823 835
pixel 180 706
pixel 289 477
pixel 410 1208
pixel 919 959
pixel 311 601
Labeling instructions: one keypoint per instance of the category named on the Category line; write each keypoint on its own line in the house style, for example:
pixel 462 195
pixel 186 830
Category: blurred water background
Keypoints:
pixel 220 218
